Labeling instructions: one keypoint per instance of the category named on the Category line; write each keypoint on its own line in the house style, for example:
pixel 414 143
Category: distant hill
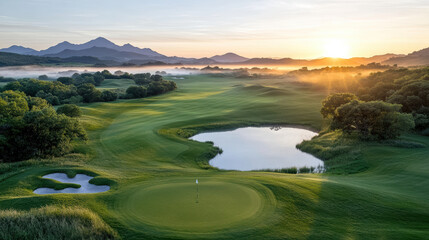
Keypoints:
pixel 98 42
pixel 101 53
pixel 103 50
pixel 229 58
pixel 13 59
pixel 19 50
pixel 416 58
pixel 320 61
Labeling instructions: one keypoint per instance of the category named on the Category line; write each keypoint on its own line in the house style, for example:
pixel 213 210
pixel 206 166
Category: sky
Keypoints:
pixel 200 28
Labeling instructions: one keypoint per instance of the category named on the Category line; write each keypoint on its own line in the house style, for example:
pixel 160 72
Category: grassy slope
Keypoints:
pixel 53 223
pixel 133 143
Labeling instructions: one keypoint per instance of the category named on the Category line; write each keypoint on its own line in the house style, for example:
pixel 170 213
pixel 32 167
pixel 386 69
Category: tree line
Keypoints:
pixel 82 87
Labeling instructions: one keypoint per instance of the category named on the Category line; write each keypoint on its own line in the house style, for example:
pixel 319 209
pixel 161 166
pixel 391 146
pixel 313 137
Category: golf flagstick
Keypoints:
pixel 197 189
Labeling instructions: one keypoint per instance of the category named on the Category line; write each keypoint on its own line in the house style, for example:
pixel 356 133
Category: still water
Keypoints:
pixel 257 148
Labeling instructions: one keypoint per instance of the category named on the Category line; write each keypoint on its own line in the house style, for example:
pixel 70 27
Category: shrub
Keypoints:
pixel 136 92
pixel 70 110
pixel 108 96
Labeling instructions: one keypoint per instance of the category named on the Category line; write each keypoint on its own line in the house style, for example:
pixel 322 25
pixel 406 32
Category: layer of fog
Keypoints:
pixel 55 72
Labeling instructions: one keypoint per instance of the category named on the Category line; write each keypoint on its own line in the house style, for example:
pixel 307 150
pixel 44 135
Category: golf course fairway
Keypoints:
pixel 173 204
pixel 141 149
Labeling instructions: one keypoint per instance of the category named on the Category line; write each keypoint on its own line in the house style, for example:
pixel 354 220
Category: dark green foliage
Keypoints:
pixel 3 79
pixel 142 79
pixel 66 80
pixel 98 78
pixel 53 92
pixel 43 77
pixel 410 88
pixel 12 105
pixel 375 119
pixel 136 92
pixel 108 96
pixel 89 93
pixel 155 84
pixel 53 100
pixel 81 87
pixel 70 110
pixel 30 127
pixel 333 101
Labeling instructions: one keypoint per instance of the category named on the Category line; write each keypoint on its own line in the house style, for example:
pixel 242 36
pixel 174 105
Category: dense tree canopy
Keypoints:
pixel 408 87
pixel 70 110
pixel 333 101
pixel 30 127
pixel 89 93
pixel 374 119
pixel 136 92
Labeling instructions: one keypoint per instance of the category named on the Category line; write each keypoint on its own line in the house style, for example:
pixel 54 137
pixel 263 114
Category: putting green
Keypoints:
pixel 173 205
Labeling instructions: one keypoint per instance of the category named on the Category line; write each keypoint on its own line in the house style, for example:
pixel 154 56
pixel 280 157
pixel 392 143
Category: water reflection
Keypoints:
pixel 253 148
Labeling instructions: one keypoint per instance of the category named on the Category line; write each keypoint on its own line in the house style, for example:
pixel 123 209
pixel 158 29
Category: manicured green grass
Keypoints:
pixel 137 145
pixel 174 204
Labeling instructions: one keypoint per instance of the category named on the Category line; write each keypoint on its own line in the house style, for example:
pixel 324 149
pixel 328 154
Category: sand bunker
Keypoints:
pixel 81 179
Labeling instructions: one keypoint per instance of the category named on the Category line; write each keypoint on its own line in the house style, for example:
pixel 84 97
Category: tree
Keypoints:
pixel 12 104
pixel 156 77
pixel 43 77
pixel 53 100
pixel 35 103
pixel 30 127
pixel 108 96
pixel 98 78
pixel 142 79
pixel 376 119
pixel 66 80
pixel 136 92
pixel 89 93
pixel 70 110
pixel 49 133
pixel 333 101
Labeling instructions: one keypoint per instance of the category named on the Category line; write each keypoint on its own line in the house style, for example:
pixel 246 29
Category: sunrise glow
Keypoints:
pixel 336 48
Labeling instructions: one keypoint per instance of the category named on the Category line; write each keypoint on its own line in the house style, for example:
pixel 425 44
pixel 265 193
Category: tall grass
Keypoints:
pixel 53 223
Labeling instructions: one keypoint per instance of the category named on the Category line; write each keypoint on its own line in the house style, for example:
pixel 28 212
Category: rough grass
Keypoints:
pixel 53 223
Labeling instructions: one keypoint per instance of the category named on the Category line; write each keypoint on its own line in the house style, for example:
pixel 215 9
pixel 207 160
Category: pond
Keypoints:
pixel 80 179
pixel 261 148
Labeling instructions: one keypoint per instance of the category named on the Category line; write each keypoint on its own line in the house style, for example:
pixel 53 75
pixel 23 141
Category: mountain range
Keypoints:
pixel 101 49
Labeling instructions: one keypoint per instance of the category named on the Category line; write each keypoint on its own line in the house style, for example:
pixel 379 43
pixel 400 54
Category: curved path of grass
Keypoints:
pixel 134 147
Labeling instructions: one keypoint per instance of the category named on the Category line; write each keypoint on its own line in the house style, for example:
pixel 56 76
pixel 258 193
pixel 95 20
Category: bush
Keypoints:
pixel 89 93
pixel 70 110
pixel 43 77
pixel 108 96
pixel 136 92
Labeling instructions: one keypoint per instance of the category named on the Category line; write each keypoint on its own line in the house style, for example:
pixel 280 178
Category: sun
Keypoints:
pixel 336 48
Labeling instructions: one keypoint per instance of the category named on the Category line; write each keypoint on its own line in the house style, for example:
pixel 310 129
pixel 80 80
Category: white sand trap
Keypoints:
pixel 81 179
